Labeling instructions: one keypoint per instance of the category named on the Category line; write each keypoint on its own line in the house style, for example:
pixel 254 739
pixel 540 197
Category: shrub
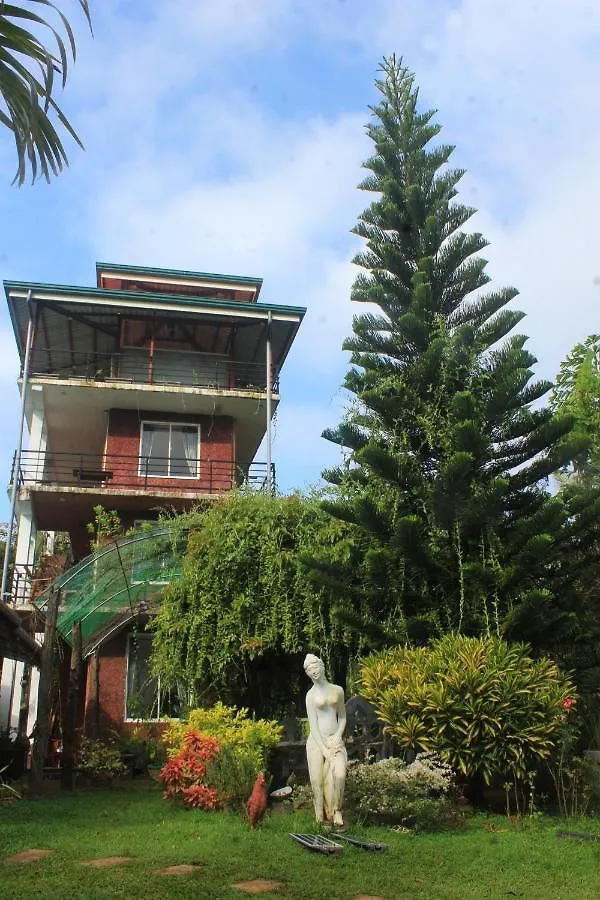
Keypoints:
pixel 244 746
pixel 231 727
pixel 187 774
pixel 142 742
pixel 412 794
pixel 484 705
pixel 99 759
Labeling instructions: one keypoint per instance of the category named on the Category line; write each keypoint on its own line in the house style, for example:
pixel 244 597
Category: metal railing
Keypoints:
pixel 152 474
pixel 140 367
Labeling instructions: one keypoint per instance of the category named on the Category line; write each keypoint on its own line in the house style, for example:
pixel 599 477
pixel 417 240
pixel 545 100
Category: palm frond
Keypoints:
pixel 27 79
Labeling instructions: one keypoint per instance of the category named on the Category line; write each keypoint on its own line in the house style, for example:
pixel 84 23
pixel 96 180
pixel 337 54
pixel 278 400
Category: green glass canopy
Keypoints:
pixel 118 583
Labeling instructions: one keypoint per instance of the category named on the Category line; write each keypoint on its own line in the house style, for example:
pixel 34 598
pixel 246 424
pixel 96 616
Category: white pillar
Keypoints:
pixel 24 552
pixel 33 463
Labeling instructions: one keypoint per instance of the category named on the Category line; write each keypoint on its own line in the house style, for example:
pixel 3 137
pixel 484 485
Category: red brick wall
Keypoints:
pixel 112 676
pixel 216 451
pixel 111 695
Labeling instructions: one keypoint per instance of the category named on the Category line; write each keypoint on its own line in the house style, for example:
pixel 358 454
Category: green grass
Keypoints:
pixel 491 858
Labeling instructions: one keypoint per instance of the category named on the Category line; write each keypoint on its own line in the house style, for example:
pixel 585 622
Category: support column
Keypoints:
pixel 269 365
pixel 34 460
pixel 24 552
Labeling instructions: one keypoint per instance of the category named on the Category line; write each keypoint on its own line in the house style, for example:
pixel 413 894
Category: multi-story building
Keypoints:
pixel 153 389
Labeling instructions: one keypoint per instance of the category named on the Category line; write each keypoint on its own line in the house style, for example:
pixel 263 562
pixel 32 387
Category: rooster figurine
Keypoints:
pixel 257 801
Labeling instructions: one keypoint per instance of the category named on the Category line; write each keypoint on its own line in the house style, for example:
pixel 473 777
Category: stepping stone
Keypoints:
pixel 183 869
pixel 28 856
pixel 368 897
pixel 258 886
pixel 107 861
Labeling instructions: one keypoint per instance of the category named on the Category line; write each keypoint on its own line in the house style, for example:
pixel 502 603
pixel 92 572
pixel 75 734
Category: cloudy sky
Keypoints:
pixel 227 136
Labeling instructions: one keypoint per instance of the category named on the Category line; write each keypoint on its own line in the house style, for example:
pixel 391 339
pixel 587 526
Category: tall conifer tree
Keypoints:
pixel 446 458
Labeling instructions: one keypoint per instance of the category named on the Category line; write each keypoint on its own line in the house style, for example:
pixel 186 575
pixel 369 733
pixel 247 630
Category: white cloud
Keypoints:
pixel 188 166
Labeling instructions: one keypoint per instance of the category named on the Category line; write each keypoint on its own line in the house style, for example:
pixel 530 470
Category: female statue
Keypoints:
pixel 325 750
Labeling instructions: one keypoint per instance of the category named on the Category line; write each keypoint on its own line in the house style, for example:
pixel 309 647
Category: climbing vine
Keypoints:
pixel 245 607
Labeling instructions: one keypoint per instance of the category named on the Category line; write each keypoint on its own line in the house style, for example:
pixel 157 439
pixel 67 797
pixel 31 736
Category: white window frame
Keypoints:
pixel 141 458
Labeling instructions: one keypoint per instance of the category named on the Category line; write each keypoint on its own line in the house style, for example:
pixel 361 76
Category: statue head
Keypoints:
pixel 314 666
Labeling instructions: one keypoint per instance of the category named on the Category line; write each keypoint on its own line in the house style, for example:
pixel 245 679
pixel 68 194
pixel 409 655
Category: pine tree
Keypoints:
pixel 577 391
pixel 447 457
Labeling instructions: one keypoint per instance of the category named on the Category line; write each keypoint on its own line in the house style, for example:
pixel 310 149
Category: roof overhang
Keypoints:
pixel 94 304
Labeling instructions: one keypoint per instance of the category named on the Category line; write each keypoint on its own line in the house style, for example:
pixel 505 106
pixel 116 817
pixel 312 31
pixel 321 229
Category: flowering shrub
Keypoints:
pixel 187 774
pixel 244 743
pixel 414 794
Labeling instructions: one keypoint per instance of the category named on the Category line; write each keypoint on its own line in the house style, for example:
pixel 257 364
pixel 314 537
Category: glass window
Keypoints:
pixel 169 451
pixel 144 697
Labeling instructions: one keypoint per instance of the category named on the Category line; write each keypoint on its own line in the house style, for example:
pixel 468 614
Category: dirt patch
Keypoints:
pixel 257 886
pixel 107 861
pixel 28 856
pixel 183 869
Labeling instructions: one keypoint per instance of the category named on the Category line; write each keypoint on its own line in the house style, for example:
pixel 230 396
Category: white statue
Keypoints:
pixel 325 750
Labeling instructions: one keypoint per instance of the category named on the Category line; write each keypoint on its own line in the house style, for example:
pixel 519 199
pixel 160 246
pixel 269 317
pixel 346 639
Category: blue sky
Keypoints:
pixel 228 136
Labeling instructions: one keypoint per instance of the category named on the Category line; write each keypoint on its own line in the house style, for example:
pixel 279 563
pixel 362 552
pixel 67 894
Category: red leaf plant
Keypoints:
pixel 187 774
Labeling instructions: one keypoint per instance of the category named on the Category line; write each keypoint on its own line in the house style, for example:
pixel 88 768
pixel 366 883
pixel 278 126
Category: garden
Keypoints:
pixel 492 855
pixel 437 575
pixel 485 791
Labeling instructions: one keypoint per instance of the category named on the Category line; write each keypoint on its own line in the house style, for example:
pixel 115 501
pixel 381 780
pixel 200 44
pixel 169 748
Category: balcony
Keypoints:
pixel 139 366
pixel 125 474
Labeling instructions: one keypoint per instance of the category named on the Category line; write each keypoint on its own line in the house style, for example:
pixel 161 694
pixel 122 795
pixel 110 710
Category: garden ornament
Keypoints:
pixel 258 800
pixel 325 750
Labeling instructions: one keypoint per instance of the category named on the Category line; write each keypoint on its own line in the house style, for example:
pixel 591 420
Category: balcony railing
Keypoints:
pixel 139 367
pixel 114 472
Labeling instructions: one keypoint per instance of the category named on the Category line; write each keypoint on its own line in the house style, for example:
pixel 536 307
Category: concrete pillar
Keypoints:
pixel 34 457
pixel 25 551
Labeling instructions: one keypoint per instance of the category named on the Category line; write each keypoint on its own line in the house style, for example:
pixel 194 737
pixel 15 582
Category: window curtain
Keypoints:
pixel 148 434
pixel 190 448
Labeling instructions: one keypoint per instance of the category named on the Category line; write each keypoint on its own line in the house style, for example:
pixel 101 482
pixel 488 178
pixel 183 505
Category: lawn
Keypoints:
pixel 490 858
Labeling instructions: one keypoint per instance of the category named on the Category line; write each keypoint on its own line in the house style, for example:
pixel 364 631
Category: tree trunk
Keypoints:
pixel 40 744
pixel 73 692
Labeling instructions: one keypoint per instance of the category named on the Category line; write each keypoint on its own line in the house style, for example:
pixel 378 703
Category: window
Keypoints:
pixel 144 698
pixel 169 450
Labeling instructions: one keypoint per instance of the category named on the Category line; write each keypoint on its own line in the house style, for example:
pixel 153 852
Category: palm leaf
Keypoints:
pixel 27 72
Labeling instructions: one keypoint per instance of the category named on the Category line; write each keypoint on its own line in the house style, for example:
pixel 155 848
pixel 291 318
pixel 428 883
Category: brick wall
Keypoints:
pixel 112 667
pixel 216 451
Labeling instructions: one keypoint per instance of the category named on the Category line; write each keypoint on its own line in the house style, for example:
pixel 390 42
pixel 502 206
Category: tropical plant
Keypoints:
pixel 28 70
pixel 413 794
pixel 446 456
pixel 487 707
pixel 186 775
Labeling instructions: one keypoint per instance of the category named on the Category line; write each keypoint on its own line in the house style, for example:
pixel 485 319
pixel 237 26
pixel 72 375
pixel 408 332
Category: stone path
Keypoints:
pixel 257 886
pixel 184 869
pixel 107 861
pixel 28 856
